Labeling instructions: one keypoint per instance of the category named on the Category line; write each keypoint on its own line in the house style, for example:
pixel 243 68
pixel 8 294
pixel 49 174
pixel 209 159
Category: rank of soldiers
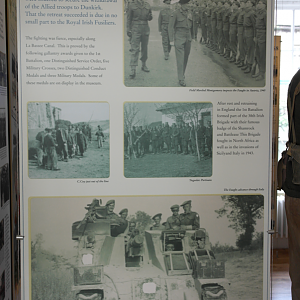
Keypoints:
pixel 234 29
pixel 178 138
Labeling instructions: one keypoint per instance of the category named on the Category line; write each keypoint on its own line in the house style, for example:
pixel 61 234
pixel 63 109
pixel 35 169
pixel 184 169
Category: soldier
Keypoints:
pixel 62 140
pixel 175 136
pixel 225 21
pixel 157 225
pixel 214 34
pixel 154 140
pixel 189 220
pixel 233 31
pixel 163 23
pixel 173 222
pixel 249 34
pixel 49 146
pixel 123 228
pixel 193 138
pixel 100 136
pixel 139 13
pixel 220 28
pixel 241 41
pixel 81 141
pixel 71 142
pixel 185 138
pixel 180 36
pixel 260 38
pixel 166 136
pixel 201 138
pixel 110 206
pixel 208 135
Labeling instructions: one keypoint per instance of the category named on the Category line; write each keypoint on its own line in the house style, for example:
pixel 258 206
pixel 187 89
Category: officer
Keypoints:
pixel 163 24
pixel 180 36
pixel 157 225
pixel 139 13
pixel 173 222
pixel 189 220
pixel 260 39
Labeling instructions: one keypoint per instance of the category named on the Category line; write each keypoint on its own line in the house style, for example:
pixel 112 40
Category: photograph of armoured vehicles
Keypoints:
pixel 121 249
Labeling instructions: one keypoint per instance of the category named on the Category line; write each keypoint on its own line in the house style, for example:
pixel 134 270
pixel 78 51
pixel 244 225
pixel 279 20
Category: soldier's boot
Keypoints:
pixel 260 77
pixel 248 69
pixel 144 67
pixel 232 59
pixel 244 67
pixel 132 73
pixel 166 55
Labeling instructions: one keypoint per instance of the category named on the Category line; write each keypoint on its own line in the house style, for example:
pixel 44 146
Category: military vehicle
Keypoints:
pixel 158 265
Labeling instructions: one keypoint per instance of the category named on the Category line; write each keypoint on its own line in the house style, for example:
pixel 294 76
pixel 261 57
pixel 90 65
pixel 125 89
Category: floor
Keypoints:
pixel 281 284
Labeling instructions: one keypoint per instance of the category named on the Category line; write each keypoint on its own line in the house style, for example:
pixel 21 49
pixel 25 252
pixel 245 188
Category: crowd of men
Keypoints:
pixel 235 29
pixel 62 144
pixel 181 138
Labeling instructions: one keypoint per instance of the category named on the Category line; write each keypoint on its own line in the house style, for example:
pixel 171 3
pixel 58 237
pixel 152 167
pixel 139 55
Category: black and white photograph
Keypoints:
pixel 195 43
pixel 147 247
pixel 2 286
pixel 168 139
pixel 2 127
pixel 3 70
pixel 5 184
pixel 68 139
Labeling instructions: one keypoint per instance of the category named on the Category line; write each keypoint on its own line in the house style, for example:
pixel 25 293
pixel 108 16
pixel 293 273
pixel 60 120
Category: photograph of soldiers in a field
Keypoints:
pixel 168 139
pixel 68 139
pixel 195 43
pixel 169 247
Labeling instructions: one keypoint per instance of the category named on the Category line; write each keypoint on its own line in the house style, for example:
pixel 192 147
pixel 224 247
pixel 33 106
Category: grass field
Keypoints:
pixel 167 165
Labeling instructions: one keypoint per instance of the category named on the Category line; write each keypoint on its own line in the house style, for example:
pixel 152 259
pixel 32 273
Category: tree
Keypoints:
pixel 130 119
pixel 242 211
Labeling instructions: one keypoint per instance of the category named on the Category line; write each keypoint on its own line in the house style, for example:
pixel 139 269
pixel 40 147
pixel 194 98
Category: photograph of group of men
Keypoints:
pixel 168 130
pixel 63 148
pixel 234 29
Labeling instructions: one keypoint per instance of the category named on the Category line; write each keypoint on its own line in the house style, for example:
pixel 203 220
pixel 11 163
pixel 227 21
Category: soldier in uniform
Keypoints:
pixel 175 136
pixel 139 13
pixel 189 220
pixel 214 34
pixel 208 135
pixel 49 147
pixel 220 28
pixel 163 24
pixel 110 206
pixel 260 39
pixel 225 21
pixel 233 30
pixel 173 222
pixel 166 136
pixel 180 36
pixel 249 34
pixel 123 228
pixel 241 40
pixel 157 225
pixel 201 138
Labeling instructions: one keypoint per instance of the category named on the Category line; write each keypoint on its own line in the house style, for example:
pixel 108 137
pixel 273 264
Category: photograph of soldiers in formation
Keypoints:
pixel 144 238
pixel 168 139
pixel 2 127
pixel 217 43
pixel 68 140
pixel 5 184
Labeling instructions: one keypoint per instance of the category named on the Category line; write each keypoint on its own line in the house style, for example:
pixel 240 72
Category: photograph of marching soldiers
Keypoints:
pixel 195 43
pixel 2 127
pixel 4 184
pixel 178 243
pixel 168 139
pixel 68 140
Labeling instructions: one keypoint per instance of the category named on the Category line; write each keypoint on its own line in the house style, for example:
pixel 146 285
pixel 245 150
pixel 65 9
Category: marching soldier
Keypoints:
pixel 163 23
pixel 180 36
pixel 173 222
pixel 157 225
pixel 189 220
pixel 139 13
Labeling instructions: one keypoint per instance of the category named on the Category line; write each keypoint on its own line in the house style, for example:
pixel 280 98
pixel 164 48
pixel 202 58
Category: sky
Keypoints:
pixel 83 111
pixel 53 217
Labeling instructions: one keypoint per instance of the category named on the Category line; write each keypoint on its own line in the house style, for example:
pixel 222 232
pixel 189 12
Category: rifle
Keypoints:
pixel 139 137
